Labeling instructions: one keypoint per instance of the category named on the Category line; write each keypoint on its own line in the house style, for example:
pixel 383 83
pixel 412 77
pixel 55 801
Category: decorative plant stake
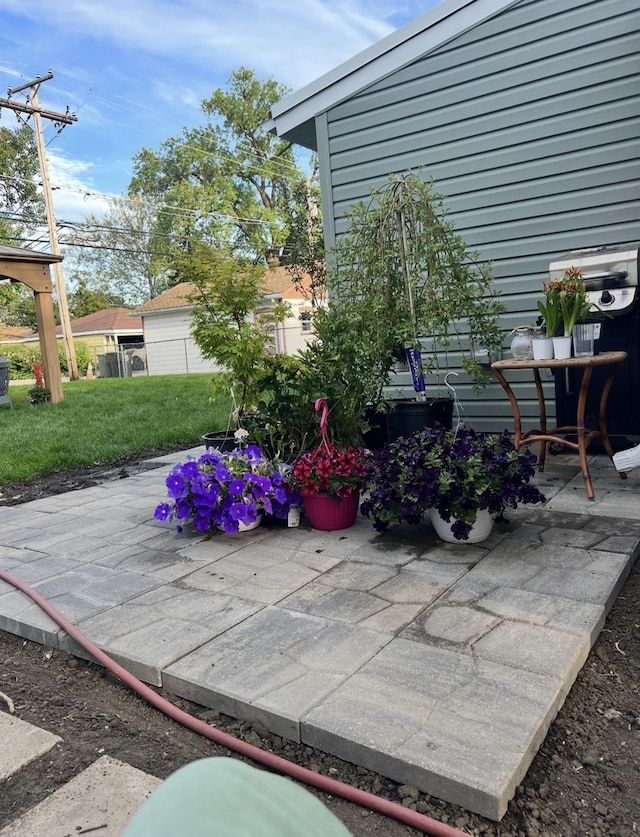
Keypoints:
pixel 39 394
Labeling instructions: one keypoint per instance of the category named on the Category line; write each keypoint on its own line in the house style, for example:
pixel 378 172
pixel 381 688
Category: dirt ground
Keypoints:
pixel 585 779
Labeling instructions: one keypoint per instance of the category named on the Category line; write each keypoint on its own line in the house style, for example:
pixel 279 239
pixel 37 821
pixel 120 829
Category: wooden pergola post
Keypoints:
pixel 32 269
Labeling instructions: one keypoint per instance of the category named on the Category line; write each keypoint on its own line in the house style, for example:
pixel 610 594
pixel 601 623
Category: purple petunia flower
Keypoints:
pixel 176 486
pixel 224 489
pixel 236 487
pixel 457 472
pixel 163 512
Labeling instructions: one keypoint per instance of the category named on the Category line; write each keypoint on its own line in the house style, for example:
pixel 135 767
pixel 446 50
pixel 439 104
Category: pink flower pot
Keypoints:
pixel 330 513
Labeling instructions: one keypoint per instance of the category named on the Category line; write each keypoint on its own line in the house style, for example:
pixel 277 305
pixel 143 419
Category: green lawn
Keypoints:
pixel 102 420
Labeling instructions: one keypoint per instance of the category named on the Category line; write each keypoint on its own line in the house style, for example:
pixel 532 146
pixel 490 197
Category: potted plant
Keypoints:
pixel 223 325
pixel 329 479
pixel 402 276
pixel 228 490
pixel 288 385
pixel 573 299
pixel 457 475
pixel 566 304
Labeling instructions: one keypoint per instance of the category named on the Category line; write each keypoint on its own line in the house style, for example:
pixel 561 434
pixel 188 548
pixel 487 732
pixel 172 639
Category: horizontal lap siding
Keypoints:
pixel 530 125
pixel 169 345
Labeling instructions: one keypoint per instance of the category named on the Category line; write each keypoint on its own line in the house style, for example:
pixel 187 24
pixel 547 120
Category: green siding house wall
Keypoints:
pixel 526 114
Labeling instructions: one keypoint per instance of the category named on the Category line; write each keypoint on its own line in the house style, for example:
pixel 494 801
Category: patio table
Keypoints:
pixel 559 435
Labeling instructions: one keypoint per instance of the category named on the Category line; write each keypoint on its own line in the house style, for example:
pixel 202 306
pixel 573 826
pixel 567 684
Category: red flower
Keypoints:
pixel 331 470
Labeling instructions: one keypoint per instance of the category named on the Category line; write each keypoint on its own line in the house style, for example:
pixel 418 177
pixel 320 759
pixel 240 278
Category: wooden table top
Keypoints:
pixel 602 359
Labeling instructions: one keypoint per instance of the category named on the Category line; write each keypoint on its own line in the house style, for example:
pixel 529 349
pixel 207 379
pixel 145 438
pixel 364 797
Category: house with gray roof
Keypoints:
pixel 527 115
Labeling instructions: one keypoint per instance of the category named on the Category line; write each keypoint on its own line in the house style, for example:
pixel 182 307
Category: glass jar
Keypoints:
pixel 522 343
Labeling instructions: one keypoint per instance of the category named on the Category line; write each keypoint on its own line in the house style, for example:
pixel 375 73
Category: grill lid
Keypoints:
pixel 610 275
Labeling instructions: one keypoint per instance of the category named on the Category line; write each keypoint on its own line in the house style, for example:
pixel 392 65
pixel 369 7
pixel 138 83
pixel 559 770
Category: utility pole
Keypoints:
pixel 32 108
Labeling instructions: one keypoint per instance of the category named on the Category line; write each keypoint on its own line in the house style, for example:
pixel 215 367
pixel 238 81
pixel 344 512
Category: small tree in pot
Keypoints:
pixel 403 276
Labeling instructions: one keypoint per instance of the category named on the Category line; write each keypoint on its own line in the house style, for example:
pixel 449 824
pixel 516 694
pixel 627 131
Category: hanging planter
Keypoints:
pixel 329 480
pixel 329 514
pixel 223 440
pixel 461 473
pixel 407 417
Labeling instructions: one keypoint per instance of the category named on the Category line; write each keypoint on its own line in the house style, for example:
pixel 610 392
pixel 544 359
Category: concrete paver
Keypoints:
pixel 438 665
pixel 22 743
pixel 102 798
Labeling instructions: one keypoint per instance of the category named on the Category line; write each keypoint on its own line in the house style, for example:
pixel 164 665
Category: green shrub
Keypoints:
pixel 84 356
pixel 22 357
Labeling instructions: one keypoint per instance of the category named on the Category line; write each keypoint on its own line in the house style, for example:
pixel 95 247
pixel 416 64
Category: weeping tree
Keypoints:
pixel 403 280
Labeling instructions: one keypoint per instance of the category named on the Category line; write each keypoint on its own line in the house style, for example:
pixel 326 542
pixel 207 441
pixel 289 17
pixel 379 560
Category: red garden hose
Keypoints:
pixel 280 765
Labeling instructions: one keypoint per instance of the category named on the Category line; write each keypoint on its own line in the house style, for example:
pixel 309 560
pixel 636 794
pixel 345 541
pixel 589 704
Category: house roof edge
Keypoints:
pixel 293 116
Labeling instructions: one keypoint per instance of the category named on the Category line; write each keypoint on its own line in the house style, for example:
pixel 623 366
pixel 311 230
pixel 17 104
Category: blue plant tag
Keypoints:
pixel 414 360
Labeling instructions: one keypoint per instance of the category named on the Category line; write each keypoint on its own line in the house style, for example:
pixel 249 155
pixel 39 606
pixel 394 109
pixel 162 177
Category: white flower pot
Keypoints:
pixel 542 348
pixel 562 347
pixel 480 530
pixel 247 527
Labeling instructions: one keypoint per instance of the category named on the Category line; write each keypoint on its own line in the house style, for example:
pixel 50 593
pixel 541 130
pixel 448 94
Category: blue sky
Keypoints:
pixel 135 71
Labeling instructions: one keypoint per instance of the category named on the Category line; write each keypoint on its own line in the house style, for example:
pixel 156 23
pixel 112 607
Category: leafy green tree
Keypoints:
pixel 223 324
pixel 17 306
pixel 21 205
pixel 237 181
pixel 304 256
pixel 124 255
pixel 84 300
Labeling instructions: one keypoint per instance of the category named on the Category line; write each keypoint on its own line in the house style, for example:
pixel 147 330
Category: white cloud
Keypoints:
pixel 292 42
pixel 136 71
pixel 72 197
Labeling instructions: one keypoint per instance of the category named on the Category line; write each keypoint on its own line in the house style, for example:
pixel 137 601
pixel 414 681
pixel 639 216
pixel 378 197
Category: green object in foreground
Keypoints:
pixel 225 797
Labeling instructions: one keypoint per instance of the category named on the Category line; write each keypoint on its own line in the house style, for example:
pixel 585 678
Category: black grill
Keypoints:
pixel 611 278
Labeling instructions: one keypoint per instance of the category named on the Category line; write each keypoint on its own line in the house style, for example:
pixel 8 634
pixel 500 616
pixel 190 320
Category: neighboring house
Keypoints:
pixel 166 321
pixel 527 115
pixel 113 336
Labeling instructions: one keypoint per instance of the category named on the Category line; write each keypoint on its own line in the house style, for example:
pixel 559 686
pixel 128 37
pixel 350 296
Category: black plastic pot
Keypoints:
pixel 377 436
pixel 222 439
pixel 407 417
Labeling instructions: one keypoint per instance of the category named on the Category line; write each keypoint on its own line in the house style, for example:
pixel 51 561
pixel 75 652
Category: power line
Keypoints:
pixel 163 208
pixel 32 109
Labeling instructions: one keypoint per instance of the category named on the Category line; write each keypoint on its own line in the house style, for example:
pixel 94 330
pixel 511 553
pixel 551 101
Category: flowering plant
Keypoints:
pixel 226 489
pixel 566 302
pixel 456 472
pixel 573 299
pixel 330 470
pixel 550 309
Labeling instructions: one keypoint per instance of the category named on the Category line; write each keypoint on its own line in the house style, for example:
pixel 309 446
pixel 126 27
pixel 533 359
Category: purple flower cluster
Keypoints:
pixel 456 472
pixel 225 489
